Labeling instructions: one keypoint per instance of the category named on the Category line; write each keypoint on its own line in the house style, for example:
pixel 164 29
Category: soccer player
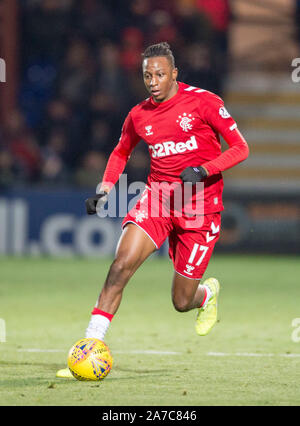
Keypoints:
pixel 181 125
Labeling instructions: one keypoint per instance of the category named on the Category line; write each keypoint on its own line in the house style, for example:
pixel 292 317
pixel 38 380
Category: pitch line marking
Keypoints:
pixel 143 352
pixel 40 350
pixel 149 352
pixel 154 352
pixel 252 354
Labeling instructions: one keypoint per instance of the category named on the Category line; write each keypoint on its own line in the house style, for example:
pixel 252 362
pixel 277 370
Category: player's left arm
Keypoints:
pixel 237 152
pixel 220 120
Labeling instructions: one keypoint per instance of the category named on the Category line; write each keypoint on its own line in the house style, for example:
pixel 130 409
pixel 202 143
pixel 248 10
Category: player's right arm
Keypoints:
pixel 115 165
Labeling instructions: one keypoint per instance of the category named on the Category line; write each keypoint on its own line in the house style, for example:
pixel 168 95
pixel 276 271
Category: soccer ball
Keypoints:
pixel 90 359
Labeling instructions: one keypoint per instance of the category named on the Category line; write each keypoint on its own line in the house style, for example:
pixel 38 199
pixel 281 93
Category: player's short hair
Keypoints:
pixel 159 49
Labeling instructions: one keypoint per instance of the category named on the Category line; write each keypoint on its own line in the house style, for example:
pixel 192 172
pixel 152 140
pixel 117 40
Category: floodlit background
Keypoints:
pixel 73 71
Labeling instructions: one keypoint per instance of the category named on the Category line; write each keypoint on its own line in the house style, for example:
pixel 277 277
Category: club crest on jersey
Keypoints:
pixel 148 130
pixel 141 215
pixel 185 121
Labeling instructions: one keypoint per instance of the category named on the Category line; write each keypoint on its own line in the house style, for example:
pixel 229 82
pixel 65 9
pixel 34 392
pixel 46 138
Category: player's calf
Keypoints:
pixel 186 293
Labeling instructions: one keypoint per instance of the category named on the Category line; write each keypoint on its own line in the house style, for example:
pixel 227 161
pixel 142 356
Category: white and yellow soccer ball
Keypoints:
pixel 90 359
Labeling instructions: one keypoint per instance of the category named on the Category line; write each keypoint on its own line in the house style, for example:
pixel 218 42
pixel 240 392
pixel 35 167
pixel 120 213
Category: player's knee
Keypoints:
pixel 181 305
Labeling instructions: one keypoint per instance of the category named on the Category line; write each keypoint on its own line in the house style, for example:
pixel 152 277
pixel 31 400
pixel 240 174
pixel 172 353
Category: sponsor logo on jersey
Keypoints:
pixel 168 148
pixel 189 269
pixel 185 121
pixel 148 130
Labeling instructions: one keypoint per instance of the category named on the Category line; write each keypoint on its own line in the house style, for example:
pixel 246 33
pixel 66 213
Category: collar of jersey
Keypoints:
pixel 169 101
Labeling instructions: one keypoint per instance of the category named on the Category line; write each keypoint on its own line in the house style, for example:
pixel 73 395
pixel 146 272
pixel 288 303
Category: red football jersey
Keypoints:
pixel 181 132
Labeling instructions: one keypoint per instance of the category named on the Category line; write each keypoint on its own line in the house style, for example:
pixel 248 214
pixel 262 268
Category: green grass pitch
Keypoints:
pixel 251 357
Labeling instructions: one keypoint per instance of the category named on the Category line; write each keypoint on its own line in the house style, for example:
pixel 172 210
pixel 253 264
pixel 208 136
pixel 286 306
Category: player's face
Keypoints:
pixel 160 78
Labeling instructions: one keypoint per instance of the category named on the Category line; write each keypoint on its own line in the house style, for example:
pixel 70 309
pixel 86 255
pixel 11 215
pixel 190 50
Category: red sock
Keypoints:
pixel 204 298
pixel 97 311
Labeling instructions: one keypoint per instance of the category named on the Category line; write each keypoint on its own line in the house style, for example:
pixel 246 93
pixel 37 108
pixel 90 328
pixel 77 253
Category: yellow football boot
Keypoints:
pixel 207 316
pixel 65 373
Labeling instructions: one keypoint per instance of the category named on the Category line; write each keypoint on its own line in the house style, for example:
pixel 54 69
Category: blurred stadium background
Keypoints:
pixel 72 74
